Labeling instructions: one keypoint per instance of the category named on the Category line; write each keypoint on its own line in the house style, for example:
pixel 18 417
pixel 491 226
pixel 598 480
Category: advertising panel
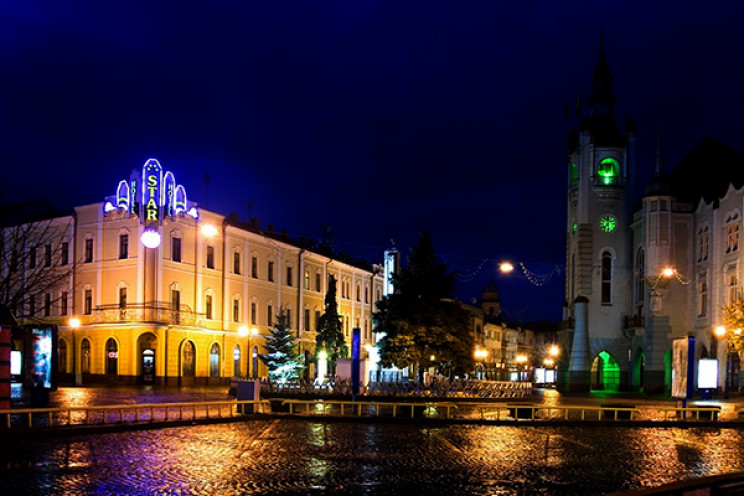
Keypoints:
pixel 683 359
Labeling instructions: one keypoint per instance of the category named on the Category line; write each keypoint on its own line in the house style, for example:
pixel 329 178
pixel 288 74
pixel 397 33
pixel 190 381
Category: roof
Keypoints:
pixel 707 171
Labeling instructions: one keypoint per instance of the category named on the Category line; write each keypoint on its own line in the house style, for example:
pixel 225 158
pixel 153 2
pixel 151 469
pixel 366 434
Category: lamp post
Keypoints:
pixel 253 366
pixel 74 324
pixel 480 355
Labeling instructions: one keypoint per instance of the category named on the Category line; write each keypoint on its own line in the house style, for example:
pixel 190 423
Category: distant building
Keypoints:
pixel 194 306
pixel 623 310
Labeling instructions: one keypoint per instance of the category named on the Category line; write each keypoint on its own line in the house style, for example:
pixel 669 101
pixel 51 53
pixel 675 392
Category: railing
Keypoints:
pixel 159 312
pixel 539 412
pixel 415 409
pixel 130 414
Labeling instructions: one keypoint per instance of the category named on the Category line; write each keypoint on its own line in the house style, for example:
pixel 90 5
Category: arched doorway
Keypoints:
pixel 639 367
pixel 236 361
pixel 188 363
pixel 605 372
pixel 147 345
pixel 85 360
pixel 214 361
pixel 62 359
pixel 112 361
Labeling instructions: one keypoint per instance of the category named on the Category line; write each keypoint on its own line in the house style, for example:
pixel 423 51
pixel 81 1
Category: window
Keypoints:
pixel 607 170
pixel 702 298
pixel 32 305
pixel 123 246
pixel 88 302
pixel 253 313
pixel 640 276
pixel 732 233
pixel 208 307
pixel 210 257
pixel 269 315
pixel 307 279
pixel 254 267
pixel 703 241
pixel 289 276
pixel 307 319
pixel 47 305
pixel 358 293
pixel 366 294
pixel 48 256
pixel 63 303
pixel 122 298
pixel 270 270
pixel 64 250
pixel 176 249
pixel 88 251
pixel 289 318
pixel 176 305
pixel 606 279
pixel 32 257
pixel 236 310
pixel 317 282
pixel 236 262
pixel 733 282
pixel 317 320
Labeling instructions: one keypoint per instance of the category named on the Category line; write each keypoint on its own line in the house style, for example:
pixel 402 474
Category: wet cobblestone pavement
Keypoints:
pixel 295 457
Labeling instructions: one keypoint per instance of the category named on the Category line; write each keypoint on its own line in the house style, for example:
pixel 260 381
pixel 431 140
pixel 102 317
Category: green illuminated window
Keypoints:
pixel 574 172
pixel 607 170
pixel 574 227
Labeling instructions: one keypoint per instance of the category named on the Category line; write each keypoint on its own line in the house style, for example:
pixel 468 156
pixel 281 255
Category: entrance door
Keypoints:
pixel 148 366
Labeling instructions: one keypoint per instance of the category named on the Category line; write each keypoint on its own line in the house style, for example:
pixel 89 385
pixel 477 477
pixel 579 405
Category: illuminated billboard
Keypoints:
pixel 40 356
pixel 683 371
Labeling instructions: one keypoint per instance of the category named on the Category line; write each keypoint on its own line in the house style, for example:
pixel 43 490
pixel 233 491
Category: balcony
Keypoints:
pixel 152 312
pixel 635 321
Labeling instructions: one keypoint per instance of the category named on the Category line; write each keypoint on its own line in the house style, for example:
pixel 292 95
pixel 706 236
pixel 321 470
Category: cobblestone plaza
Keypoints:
pixel 287 456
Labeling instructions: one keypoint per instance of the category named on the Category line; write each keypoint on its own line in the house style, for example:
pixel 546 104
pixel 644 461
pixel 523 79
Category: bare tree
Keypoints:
pixel 36 264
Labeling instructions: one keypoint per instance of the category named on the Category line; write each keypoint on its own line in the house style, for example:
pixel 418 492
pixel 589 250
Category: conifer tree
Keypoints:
pixel 424 327
pixel 281 358
pixel 330 335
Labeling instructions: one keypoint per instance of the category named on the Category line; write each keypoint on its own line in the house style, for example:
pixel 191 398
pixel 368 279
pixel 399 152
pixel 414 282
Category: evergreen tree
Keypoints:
pixel 330 335
pixel 423 325
pixel 281 358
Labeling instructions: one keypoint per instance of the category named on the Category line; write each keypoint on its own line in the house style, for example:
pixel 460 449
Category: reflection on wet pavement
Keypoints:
pixel 284 456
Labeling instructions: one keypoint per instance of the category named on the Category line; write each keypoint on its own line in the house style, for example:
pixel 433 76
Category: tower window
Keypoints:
pixel 606 279
pixel 607 170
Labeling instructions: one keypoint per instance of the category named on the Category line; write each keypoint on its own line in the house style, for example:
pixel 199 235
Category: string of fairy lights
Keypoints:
pixel 537 278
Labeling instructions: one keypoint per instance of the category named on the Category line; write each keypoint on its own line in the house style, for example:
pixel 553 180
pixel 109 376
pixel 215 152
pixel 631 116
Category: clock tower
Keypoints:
pixel 601 166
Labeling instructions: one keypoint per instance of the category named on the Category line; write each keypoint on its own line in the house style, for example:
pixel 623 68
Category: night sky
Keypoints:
pixel 378 119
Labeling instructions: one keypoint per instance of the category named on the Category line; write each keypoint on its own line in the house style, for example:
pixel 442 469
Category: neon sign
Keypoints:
pixel 152 195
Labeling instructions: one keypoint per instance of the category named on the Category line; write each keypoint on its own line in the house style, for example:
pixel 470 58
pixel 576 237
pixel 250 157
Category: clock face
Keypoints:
pixel 607 223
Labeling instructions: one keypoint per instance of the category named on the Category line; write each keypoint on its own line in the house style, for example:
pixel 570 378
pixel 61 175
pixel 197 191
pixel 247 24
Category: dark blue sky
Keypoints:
pixel 376 118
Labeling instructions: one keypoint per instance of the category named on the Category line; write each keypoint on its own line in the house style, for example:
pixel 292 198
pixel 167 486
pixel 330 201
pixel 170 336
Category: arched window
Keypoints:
pixel 112 357
pixel 607 170
pixel 62 356
pixel 640 273
pixel 214 361
pixel 85 356
pixel 606 278
pixel 188 368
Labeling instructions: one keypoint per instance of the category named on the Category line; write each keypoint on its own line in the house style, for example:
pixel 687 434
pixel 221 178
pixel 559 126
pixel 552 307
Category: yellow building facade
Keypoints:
pixel 196 308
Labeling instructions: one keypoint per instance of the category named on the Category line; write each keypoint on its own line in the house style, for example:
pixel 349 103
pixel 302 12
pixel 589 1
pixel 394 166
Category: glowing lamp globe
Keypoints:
pixel 150 237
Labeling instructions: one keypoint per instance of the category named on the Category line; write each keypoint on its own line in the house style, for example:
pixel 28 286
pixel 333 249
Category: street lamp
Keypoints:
pixel 254 366
pixel 480 354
